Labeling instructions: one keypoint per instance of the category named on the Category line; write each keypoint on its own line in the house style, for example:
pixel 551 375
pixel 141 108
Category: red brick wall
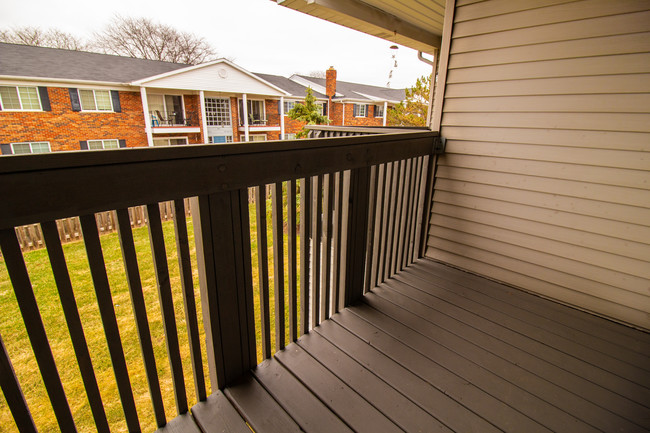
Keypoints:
pixel 64 128
pixel 369 120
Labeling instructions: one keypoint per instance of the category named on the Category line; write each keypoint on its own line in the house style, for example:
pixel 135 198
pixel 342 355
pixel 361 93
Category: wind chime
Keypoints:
pixel 394 49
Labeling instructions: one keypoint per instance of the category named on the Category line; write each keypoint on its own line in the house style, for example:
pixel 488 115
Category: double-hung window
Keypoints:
pixel 30 147
pixel 20 98
pixel 95 100
pixel 288 105
pixel 360 110
pixel 379 111
pixel 103 144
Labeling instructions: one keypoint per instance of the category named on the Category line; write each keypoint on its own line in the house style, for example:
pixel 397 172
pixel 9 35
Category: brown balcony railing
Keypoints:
pixel 174 118
pixel 354 207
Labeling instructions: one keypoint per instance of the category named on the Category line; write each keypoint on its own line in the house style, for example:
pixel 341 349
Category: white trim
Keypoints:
pixel 343 119
pixel 385 113
pixel 147 117
pixel 204 116
pixel 245 110
pixel 204 65
pixel 13 152
pixel 252 128
pixel 281 116
pixel 175 130
pixel 65 82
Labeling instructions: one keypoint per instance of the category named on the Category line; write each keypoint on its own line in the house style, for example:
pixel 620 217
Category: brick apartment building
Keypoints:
pixel 57 100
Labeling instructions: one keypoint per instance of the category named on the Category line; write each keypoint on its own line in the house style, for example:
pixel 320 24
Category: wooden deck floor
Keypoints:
pixel 437 349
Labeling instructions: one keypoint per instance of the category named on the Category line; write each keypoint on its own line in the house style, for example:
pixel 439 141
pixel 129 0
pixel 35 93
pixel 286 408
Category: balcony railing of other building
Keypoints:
pixel 174 118
pixel 252 121
pixel 346 214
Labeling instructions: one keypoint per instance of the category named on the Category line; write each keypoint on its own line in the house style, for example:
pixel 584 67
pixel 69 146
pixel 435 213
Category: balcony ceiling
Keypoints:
pixel 417 23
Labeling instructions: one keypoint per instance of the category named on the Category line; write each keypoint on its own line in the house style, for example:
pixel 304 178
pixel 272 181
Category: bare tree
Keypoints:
pixel 145 39
pixel 43 38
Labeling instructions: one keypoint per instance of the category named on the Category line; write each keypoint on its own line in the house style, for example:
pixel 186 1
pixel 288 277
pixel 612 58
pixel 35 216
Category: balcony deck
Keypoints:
pixel 437 349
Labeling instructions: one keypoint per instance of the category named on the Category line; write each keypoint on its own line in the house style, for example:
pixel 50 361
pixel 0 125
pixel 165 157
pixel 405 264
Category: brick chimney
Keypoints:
pixel 330 82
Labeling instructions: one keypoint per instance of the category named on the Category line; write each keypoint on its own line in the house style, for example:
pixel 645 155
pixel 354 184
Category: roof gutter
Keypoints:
pixel 425 60
pixel 65 81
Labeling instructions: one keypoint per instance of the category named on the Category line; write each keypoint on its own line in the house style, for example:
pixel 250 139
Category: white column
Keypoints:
pixel 147 117
pixel 281 117
pixel 245 105
pixel 343 118
pixel 204 117
pixel 385 112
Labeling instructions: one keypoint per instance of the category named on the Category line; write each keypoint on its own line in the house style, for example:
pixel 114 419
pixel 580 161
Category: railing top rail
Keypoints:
pixel 371 129
pixel 44 187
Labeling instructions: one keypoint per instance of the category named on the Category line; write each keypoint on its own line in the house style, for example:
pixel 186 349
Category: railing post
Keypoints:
pixel 223 258
pixel 356 233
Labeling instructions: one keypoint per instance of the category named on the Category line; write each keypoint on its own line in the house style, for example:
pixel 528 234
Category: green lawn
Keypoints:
pixel 17 343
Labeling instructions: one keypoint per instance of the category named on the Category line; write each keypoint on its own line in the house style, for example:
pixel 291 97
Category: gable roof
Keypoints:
pixel 29 61
pixel 360 92
pixel 295 89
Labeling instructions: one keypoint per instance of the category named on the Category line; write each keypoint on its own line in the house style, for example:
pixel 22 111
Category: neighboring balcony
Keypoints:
pixel 174 122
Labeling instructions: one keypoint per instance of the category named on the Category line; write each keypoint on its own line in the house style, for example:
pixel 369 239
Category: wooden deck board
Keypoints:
pixel 438 349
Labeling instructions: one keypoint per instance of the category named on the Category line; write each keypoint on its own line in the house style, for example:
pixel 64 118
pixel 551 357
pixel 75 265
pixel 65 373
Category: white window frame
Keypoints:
pixel 381 107
pixel 359 110
pixel 229 139
pixel 250 136
pixel 20 100
pixel 187 141
pixel 206 110
pixel 110 98
pixel 290 136
pixel 103 143
pixel 31 148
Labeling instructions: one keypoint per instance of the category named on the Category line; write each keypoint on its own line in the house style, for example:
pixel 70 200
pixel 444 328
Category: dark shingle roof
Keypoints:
pixel 29 61
pixel 357 91
pixel 286 84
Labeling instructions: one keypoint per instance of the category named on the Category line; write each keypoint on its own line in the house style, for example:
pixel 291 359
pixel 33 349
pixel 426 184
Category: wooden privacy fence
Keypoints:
pixel 30 237
pixel 362 207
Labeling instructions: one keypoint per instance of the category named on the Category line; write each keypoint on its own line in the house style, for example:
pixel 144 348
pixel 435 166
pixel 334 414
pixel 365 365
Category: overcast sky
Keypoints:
pixel 258 35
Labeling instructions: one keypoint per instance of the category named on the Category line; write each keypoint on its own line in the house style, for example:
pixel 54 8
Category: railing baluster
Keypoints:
pixel 409 214
pixel 416 203
pixel 370 237
pixel 378 224
pixel 317 224
pixel 398 217
pixel 391 220
pixel 291 256
pixel 345 236
pixel 263 268
pixel 427 200
pixel 406 182
pixel 383 236
pixel 278 263
pixel 35 329
pixel 161 270
pixel 357 233
pixel 107 313
pixel 305 268
pixel 129 256
pixel 71 312
pixel 187 285
pixel 326 258
pixel 336 244
pixel 13 394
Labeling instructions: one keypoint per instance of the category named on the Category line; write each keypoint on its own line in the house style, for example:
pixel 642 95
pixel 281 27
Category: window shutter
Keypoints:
pixel 6 149
pixel 45 99
pixel 355 110
pixel 115 97
pixel 367 110
pixel 122 143
pixel 74 99
pixel 280 107
pixel 325 104
pixel 83 145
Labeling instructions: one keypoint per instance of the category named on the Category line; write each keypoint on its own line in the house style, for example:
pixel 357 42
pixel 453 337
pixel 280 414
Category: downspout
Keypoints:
pixel 147 118
pixel 204 119
pixel 385 112
pixel 343 118
pixel 432 84
pixel 281 117
pixel 245 105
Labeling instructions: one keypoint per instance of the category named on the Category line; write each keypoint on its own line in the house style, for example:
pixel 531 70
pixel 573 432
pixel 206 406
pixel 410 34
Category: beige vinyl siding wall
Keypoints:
pixel 546 180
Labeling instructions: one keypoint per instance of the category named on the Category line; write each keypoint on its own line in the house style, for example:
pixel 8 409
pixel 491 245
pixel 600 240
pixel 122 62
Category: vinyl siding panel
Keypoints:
pixel 546 180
